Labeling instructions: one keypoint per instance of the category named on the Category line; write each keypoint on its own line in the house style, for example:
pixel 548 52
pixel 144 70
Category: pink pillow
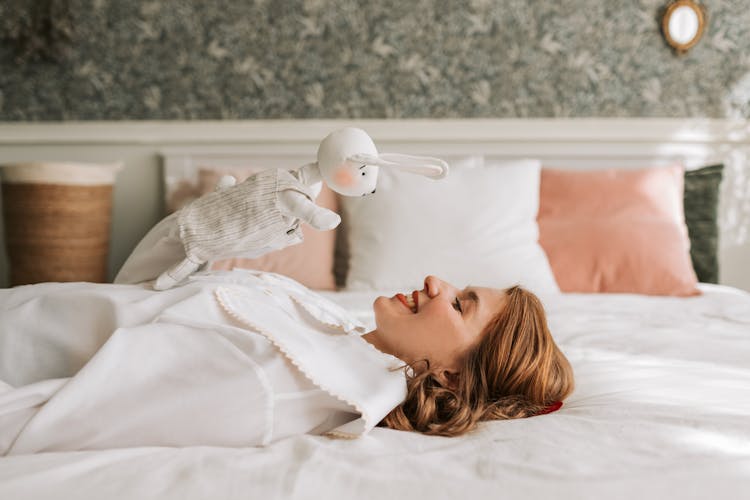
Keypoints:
pixel 619 231
pixel 310 262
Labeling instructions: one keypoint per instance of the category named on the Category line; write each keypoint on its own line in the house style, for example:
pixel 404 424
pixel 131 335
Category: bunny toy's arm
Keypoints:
pixel 293 203
pixel 309 175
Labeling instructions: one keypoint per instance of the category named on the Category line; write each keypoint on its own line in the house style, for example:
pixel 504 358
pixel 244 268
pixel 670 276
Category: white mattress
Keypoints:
pixel 660 411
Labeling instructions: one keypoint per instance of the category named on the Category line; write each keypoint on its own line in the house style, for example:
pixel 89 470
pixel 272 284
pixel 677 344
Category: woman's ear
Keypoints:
pixel 448 378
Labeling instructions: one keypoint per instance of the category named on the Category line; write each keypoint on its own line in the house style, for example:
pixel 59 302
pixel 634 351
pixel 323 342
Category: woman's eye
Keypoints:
pixel 457 305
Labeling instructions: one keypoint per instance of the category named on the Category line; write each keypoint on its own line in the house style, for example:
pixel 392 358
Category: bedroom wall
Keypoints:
pixel 228 59
pixel 269 59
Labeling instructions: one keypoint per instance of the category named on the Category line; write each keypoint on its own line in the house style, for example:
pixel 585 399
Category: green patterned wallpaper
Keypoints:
pixel 221 59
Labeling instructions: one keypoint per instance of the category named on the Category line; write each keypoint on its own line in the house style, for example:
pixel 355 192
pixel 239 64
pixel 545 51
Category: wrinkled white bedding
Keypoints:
pixel 661 410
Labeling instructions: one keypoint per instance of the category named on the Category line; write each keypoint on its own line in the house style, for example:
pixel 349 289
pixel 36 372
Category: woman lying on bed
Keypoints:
pixel 245 358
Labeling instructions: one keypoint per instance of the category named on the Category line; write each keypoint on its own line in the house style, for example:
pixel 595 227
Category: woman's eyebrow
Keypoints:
pixel 473 296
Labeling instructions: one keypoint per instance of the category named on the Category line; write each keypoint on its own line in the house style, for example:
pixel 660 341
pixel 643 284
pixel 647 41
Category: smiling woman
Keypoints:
pixel 436 364
pixel 165 368
pixel 475 354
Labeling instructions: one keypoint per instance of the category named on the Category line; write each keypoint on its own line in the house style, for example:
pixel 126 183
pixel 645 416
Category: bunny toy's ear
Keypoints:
pixel 434 168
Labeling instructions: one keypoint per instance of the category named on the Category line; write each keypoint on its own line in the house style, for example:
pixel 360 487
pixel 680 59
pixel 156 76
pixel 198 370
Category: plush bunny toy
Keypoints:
pixel 264 212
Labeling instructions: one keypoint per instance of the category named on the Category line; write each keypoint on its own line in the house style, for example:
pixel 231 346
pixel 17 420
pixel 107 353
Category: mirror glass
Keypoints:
pixel 683 24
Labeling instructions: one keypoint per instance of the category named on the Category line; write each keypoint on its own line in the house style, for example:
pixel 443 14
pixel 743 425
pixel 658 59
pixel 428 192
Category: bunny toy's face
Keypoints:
pixel 349 162
pixel 339 169
pixel 351 178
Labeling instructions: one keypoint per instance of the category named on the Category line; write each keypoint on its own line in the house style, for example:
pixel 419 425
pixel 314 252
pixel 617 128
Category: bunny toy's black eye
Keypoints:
pixel 363 173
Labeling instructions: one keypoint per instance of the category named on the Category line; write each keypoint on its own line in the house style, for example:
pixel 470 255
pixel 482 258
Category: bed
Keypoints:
pixel 660 408
pixel 660 411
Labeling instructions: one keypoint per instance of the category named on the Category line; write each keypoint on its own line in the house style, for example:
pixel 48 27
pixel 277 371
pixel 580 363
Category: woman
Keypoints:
pixel 246 358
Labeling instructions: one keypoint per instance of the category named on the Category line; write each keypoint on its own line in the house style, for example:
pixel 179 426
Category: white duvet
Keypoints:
pixel 661 410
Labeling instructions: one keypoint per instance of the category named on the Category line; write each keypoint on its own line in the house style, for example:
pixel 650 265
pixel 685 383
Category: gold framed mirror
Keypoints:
pixel 683 24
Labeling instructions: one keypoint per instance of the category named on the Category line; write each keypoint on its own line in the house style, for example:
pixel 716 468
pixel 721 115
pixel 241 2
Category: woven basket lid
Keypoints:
pixel 78 174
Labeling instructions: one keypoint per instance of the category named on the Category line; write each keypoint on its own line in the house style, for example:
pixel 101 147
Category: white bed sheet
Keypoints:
pixel 661 410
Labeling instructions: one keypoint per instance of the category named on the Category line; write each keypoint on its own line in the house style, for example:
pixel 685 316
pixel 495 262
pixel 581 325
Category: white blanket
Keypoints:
pixel 660 410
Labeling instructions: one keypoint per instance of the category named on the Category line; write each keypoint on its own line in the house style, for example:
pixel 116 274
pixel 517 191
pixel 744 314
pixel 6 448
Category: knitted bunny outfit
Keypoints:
pixel 241 220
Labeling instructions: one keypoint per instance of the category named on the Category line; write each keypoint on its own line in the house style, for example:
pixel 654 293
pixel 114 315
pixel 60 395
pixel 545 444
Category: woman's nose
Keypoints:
pixel 432 286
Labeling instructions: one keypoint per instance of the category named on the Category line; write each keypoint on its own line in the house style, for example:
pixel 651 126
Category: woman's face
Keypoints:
pixel 441 326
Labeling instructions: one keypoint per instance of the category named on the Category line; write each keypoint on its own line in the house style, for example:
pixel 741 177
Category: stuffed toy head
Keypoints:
pixel 349 163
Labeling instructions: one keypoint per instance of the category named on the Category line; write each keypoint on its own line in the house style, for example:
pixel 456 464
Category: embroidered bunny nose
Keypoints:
pixel 373 191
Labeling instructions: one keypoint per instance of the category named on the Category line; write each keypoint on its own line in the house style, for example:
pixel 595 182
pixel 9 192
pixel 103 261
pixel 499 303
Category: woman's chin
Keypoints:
pixel 387 310
pixel 379 303
pixel 379 306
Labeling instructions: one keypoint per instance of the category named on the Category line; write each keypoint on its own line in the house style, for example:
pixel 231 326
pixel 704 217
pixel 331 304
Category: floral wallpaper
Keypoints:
pixel 241 59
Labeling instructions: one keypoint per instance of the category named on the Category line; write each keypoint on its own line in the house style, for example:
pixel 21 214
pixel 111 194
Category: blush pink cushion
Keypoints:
pixel 310 262
pixel 619 231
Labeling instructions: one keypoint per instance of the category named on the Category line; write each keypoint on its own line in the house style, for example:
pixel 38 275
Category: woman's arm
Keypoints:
pixel 160 249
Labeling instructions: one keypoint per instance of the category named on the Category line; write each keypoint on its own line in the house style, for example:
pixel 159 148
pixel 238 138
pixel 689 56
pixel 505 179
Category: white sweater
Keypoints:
pixel 236 358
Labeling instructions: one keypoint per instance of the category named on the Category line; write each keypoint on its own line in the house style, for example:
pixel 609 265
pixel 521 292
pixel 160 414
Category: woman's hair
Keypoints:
pixel 515 371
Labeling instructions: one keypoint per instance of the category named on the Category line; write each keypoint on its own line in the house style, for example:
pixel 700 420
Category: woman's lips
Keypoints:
pixel 405 301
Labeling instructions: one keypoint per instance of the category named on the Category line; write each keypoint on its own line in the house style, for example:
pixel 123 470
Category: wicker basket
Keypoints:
pixel 57 221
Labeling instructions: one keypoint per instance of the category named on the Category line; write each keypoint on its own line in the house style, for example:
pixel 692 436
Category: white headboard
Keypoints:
pixel 569 143
pixel 565 143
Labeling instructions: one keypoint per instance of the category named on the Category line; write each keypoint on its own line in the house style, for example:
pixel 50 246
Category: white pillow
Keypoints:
pixel 475 227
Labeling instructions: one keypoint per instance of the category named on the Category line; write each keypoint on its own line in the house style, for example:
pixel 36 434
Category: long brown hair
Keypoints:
pixel 515 371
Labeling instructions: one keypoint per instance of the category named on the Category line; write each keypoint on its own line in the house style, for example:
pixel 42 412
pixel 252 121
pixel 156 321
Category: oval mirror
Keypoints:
pixel 683 24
